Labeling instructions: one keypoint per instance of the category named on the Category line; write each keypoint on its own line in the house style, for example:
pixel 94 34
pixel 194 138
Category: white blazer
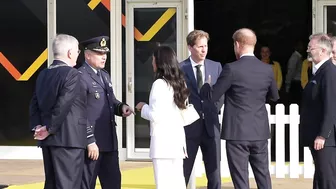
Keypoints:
pixel 166 123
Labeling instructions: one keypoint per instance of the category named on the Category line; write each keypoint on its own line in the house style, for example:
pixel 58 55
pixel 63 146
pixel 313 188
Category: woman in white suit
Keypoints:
pixel 167 98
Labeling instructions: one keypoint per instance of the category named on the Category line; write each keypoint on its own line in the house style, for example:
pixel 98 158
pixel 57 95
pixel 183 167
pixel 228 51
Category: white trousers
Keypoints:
pixel 168 173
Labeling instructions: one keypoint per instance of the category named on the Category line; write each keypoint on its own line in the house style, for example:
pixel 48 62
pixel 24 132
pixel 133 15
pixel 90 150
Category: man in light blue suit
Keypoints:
pixel 205 132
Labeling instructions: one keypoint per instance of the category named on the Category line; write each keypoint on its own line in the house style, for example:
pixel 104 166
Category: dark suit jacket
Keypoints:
pixel 204 108
pixel 246 83
pixel 318 107
pixel 102 106
pixel 60 104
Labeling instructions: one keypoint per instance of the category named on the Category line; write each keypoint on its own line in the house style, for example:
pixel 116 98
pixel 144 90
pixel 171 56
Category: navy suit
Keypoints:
pixel 59 104
pixel 102 106
pixel 318 118
pixel 204 132
pixel 246 84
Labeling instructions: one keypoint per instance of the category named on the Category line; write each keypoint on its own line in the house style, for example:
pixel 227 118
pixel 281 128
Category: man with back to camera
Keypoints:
pixel 246 83
pixel 102 106
pixel 205 132
pixel 59 118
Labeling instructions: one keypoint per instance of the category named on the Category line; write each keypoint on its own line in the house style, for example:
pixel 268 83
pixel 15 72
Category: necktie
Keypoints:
pixel 199 77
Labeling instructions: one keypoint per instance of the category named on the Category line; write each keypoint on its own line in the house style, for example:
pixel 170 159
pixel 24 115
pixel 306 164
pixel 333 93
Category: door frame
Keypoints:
pixel 181 24
pixel 320 14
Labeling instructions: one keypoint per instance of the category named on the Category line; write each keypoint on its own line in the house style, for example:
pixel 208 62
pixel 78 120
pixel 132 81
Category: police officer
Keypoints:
pixel 102 107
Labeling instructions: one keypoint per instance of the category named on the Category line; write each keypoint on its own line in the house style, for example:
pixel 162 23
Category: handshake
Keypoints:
pixel 41 132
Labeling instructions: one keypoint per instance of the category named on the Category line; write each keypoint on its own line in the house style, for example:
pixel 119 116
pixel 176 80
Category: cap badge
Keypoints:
pixel 103 42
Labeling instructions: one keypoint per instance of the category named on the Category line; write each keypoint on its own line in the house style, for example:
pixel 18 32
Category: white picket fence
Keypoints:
pixel 279 168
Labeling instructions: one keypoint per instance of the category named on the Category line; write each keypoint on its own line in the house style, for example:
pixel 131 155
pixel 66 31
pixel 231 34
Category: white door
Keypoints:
pixel 148 24
pixel 324 16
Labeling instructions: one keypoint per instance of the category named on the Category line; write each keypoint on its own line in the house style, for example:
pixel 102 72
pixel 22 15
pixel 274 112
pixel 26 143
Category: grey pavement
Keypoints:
pixel 16 172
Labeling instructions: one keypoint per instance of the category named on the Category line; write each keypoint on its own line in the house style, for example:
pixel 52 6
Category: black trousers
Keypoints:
pixel 210 147
pixel 239 153
pixel 325 167
pixel 106 168
pixel 63 167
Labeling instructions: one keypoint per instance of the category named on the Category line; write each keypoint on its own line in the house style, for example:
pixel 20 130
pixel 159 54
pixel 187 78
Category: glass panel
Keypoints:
pixel 23 39
pixel 153 26
pixel 84 19
pixel 331 20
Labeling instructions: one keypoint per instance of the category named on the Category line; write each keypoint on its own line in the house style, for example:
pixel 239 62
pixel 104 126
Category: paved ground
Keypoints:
pixel 17 172
pixel 278 184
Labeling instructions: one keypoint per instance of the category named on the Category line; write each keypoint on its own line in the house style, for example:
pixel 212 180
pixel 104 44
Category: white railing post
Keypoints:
pixel 225 172
pixel 308 166
pixel 280 169
pixel 280 166
pixel 294 117
pixel 271 120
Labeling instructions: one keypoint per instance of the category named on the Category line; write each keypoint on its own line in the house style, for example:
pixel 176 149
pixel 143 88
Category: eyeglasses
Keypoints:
pixel 314 48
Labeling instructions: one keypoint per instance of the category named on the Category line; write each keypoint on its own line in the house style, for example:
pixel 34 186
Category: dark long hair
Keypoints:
pixel 168 69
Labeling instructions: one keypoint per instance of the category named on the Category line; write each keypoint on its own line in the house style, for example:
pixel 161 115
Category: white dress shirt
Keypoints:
pixel 317 66
pixel 247 54
pixel 202 68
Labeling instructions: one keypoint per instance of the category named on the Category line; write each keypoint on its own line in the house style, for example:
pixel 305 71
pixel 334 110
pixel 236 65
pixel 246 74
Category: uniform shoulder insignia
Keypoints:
pixel 80 71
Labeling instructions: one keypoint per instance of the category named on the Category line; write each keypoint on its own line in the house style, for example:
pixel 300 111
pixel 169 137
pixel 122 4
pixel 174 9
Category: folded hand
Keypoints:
pixel 41 133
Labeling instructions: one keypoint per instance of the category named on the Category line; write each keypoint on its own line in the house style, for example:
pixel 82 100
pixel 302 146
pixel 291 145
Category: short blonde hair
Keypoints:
pixel 245 36
pixel 196 34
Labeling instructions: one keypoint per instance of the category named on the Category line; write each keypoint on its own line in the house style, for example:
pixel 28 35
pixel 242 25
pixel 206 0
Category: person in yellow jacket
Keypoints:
pixel 306 72
pixel 265 53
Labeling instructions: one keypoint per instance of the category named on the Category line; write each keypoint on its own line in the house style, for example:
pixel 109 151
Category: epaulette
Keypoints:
pixel 80 71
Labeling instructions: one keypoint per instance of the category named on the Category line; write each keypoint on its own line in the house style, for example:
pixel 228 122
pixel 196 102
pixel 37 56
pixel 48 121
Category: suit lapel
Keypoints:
pixel 190 74
pixel 207 70
pixel 105 80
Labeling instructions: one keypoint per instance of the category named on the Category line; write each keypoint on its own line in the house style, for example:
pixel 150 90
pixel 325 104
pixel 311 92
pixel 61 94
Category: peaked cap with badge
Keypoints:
pixel 98 44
